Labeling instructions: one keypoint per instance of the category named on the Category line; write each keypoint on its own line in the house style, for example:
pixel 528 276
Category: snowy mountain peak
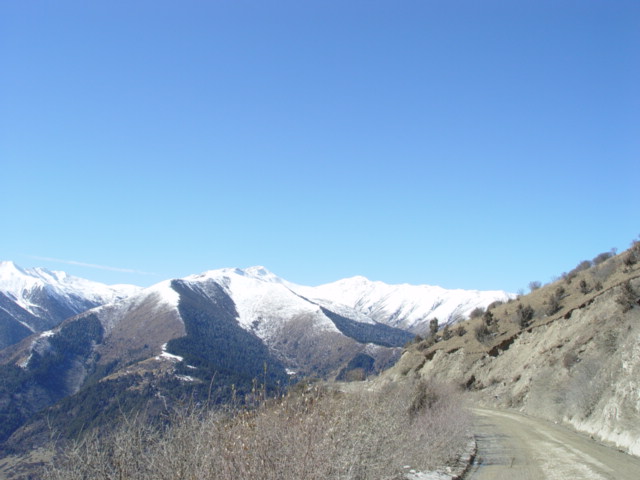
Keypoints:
pixel 8 265
pixel 14 279
pixel 10 271
pixel 257 273
pixel 163 292
pixel 357 280
pixel 404 306
pixel 261 273
pixel 24 285
pixel 257 293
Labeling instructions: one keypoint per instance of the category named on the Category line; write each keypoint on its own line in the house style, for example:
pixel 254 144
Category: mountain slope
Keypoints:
pixel 575 360
pixel 297 332
pixel 209 334
pixel 206 337
pixel 35 300
pixel 409 307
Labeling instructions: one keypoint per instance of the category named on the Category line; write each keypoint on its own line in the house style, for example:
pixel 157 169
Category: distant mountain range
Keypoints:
pixel 84 350
pixel 35 299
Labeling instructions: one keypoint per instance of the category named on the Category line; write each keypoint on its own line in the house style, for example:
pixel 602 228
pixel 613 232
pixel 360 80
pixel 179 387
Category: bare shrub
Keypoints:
pixel 442 426
pixel 446 333
pixel 630 259
pixel 125 455
pixel 476 312
pixel 584 287
pixel 433 327
pixel 494 304
pixel 602 257
pixel 424 397
pixel 552 305
pixel 460 330
pixel 535 285
pixel 585 388
pixel 427 343
pixel 314 434
pixel 482 333
pixel 524 315
pixel 627 297
pixel 570 359
pixel 632 256
pixel 603 271
pixel 488 319
pixel 583 265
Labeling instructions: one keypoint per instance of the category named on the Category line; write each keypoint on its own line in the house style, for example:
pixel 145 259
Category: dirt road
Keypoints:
pixel 516 447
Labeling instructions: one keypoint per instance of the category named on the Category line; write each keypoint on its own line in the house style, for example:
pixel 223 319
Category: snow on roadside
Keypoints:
pixel 448 473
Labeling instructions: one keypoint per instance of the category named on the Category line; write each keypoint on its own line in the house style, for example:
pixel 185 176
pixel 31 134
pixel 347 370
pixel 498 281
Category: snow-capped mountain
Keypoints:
pixel 198 336
pixel 251 304
pixel 405 306
pixel 213 334
pixel 263 301
pixel 307 330
pixel 35 299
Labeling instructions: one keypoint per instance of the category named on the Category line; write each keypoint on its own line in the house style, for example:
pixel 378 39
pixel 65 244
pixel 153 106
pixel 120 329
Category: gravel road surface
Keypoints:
pixel 513 446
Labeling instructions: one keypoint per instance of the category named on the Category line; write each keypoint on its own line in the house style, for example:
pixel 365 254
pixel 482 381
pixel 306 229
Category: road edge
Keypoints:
pixel 457 472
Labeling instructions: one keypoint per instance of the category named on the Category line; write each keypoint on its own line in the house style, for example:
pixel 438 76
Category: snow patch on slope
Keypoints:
pixel 164 292
pixel 263 300
pixel 168 356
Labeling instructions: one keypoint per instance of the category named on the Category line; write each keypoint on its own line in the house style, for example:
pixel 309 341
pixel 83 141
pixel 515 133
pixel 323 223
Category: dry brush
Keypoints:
pixel 314 434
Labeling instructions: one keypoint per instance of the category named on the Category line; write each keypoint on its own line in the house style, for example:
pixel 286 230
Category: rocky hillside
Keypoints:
pixel 569 351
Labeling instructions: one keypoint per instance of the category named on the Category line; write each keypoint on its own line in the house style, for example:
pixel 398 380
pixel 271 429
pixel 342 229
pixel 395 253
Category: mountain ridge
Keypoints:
pixel 33 300
pixel 212 333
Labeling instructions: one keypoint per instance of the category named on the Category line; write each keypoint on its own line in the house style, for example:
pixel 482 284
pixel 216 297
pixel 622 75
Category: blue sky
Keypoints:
pixel 460 143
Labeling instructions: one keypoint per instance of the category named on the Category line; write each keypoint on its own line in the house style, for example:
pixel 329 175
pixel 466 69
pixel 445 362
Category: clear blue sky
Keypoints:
pixel 461 143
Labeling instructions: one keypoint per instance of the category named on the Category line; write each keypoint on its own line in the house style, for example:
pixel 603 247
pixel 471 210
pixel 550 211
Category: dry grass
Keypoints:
pixel 314 434
pixel 549 303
